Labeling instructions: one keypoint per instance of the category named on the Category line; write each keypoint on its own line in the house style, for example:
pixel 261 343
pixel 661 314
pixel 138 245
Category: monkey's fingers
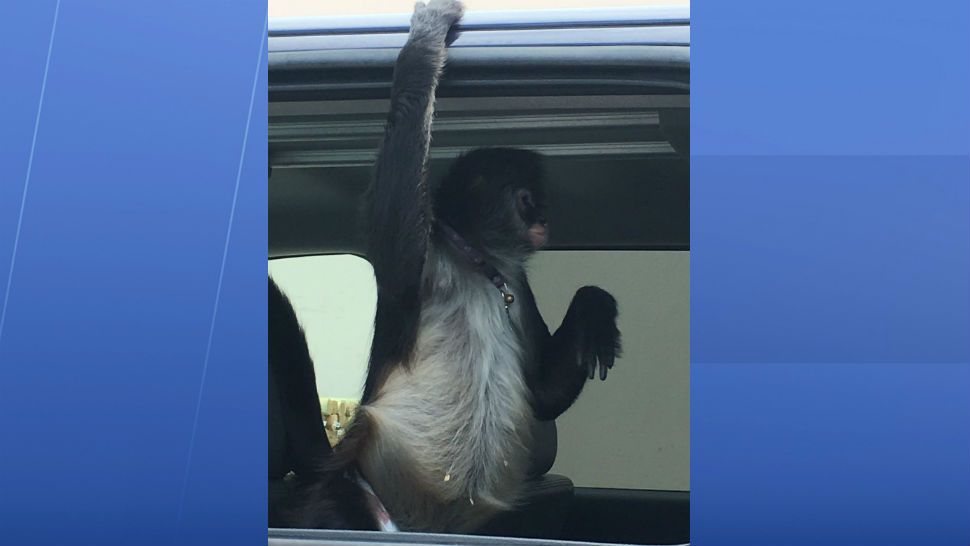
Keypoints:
pixel 603 367
pixel 437 19
pixel 607 356
pixel 589 360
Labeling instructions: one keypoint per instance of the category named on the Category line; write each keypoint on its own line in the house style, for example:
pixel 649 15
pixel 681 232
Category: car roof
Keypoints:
pixel 487 20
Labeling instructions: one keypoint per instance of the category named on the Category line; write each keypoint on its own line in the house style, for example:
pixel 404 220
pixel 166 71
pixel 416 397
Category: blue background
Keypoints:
pixel 830 273
pixel 118 425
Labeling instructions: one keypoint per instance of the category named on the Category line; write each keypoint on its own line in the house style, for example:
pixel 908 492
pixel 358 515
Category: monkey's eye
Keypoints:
pixel 525 200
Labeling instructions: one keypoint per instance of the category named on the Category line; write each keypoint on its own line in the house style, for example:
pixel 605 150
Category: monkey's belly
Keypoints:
pixel 450 445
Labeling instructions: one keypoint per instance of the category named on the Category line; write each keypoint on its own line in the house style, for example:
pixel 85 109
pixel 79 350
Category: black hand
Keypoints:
pixel 594 313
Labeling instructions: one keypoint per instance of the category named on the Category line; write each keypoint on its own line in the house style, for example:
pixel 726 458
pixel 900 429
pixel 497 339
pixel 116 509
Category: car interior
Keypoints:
pixel 613 124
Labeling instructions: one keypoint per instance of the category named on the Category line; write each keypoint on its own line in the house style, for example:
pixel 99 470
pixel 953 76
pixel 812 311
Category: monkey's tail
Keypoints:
pixel 330 497
pixel 348 451
pixel 330 502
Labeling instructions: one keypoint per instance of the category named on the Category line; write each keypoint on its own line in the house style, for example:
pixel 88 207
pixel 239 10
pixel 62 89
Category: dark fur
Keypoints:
pixel 306 448
pixel 292 369
pixel 479 198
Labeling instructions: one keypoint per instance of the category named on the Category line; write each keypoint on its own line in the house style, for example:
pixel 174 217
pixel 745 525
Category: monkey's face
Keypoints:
pixel 494 197
pixel 533 220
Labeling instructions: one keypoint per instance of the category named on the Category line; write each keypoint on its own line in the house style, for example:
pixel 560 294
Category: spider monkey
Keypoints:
pixel 461 363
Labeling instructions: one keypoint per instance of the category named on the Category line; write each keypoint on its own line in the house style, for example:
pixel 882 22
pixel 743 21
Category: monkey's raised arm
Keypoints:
pixel 399 212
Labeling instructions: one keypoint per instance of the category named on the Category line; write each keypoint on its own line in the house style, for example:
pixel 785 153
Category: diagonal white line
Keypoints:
pixel 30 164
pixel 222 270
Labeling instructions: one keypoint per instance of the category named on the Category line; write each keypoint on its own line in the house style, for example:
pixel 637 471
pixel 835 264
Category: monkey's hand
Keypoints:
pixel 591 321
pixel 436 20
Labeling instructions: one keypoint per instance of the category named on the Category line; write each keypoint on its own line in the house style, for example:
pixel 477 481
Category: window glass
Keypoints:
pixel 334 298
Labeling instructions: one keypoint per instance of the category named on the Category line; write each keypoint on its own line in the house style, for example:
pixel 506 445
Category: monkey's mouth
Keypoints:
pixel 538 235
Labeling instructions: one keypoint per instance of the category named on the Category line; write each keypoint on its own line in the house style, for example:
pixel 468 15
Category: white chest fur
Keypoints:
pixel 460 413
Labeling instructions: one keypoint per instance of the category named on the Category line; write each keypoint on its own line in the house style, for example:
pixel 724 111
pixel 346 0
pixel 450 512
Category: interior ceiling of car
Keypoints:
pixel 618 166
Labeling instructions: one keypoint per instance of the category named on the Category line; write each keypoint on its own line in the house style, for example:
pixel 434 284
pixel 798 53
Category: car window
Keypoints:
pixel 334 298
pixel 629 432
